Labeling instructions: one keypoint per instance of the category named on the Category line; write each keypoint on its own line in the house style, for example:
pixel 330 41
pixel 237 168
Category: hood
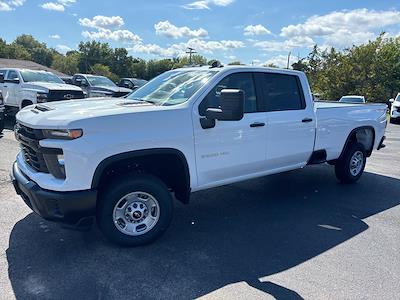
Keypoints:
pixel 114 89
pixel 45 86
pixel 63 114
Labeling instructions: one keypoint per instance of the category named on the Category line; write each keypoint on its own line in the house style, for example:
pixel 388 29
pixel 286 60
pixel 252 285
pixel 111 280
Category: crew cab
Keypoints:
pixel 23 87
pixel 122 161
pixel 99 86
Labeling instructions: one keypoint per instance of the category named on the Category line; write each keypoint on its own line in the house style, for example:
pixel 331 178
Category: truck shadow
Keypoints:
pixel 237 233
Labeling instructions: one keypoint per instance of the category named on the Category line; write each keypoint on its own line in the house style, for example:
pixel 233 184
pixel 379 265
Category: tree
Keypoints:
pixel 102 70
pixel 234 63
pixel 68 64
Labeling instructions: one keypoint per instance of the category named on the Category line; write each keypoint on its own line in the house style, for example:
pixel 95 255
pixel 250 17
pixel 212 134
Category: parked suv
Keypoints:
pixel 395 109
pixel 99 86
pixel 23 87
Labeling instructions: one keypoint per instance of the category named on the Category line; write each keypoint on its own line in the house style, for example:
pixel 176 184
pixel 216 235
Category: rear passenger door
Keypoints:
pixel 290 125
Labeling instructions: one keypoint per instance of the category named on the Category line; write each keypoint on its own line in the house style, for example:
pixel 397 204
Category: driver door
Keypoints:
pixel 231 149
pixel 12 88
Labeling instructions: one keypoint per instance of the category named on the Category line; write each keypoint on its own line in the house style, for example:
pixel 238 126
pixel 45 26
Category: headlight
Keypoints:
pixel 100 94
pixel 41 97
pixel 62 134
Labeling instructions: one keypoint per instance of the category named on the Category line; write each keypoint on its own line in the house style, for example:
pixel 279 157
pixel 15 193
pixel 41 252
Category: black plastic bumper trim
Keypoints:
pixel 72 209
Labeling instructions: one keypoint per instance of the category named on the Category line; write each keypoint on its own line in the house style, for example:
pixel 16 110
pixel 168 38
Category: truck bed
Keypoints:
pixel 335 121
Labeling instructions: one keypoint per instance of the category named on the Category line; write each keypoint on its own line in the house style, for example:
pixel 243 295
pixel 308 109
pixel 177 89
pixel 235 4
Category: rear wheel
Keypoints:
pixel 135 211
pixel 350 167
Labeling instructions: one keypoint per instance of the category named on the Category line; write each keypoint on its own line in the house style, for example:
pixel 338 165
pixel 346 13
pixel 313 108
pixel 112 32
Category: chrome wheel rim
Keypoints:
pixel 356 163
pixel 136 213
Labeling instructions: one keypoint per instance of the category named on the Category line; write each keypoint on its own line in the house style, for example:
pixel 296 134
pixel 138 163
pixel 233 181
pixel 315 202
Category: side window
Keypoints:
pixel 12 75
pixel 283 92
pixel 128 84
pixel 242 81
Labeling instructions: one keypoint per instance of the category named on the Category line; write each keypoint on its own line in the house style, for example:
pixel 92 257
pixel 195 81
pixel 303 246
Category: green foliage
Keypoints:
pixel 234 63
pixel 371 70
pixel 99 69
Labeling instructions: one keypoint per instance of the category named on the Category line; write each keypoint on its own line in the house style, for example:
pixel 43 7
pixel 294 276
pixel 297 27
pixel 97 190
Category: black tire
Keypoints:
pixel 110 197
pixel 26 103
pixel 342 167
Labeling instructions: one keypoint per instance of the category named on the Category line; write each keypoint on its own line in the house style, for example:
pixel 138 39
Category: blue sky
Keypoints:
pixel 252 31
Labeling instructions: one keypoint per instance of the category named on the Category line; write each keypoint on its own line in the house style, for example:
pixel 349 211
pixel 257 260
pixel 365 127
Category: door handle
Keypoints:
pixel 307 120
pixel 257 124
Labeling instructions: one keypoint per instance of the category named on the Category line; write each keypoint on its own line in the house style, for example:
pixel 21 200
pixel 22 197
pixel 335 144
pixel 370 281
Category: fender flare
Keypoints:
pixel 351 135
pixel 141 153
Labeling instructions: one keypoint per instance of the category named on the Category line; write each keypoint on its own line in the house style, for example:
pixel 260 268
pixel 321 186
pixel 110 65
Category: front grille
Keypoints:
pixel 64 95
pixel 120 94
pixel 29 142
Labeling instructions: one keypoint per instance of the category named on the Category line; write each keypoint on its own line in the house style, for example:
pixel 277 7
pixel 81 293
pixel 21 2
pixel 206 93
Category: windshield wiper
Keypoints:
pixel 144 100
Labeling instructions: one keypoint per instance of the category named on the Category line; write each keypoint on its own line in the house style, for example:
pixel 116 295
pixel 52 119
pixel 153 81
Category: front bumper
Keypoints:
pixel 75 210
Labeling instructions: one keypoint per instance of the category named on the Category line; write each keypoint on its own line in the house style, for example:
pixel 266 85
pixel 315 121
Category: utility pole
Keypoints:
pixel 190 52
pixel 288 60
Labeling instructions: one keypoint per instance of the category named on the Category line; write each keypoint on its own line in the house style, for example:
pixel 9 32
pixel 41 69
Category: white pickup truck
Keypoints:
pixel 122 161
pixel 23 87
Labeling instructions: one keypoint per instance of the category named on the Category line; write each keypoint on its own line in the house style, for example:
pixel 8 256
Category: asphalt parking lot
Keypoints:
pixel 290 236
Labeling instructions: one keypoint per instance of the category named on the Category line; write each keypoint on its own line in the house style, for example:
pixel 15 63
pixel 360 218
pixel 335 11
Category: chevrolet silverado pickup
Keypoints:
pixel 123 161
pixel 23 87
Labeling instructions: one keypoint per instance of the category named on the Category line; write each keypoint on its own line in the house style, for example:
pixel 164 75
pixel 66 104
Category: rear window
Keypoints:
pixel 283 92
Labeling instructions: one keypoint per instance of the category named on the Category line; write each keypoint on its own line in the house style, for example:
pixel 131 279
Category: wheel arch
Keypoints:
pixel 173 162
pixel 364 135
pixel 25 102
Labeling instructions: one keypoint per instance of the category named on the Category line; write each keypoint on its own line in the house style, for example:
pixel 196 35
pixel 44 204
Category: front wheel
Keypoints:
pixel 135 211
pixel 351 166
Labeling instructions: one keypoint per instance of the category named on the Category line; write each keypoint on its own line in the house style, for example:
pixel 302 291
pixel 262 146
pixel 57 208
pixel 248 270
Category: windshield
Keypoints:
pixel 352 100
pixel 173 87
pixel 31 76
pixel 100 80
pixel 397 98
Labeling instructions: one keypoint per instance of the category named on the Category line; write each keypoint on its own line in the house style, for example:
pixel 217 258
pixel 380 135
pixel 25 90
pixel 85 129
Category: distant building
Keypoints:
pixel 26 64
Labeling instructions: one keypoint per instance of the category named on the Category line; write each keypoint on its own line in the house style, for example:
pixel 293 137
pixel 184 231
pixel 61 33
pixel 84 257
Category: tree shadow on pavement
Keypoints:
pixel 236 233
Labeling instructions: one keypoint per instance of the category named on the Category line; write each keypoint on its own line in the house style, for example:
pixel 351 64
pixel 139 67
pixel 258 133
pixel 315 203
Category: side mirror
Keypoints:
pixel 231 106
pixel 391 100
pixel 1 77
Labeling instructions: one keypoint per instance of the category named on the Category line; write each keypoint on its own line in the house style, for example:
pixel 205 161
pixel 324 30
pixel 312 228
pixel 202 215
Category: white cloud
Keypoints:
pixel 180 48
pixel 344 28
pixel 277 46
pixel 63 48
pixel 256 30
pixel 205 4
pixel 53 6
pixel 58 5
pixel 4 6
pixel 281 61
pixel 66 2
pixel 116 35
pixel 167 29
pixel 55 36
pixel 102 22
pixel 10 5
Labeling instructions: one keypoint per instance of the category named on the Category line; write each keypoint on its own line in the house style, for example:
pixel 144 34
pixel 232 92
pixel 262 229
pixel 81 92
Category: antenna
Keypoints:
pixel 288 60
pixel 190 52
